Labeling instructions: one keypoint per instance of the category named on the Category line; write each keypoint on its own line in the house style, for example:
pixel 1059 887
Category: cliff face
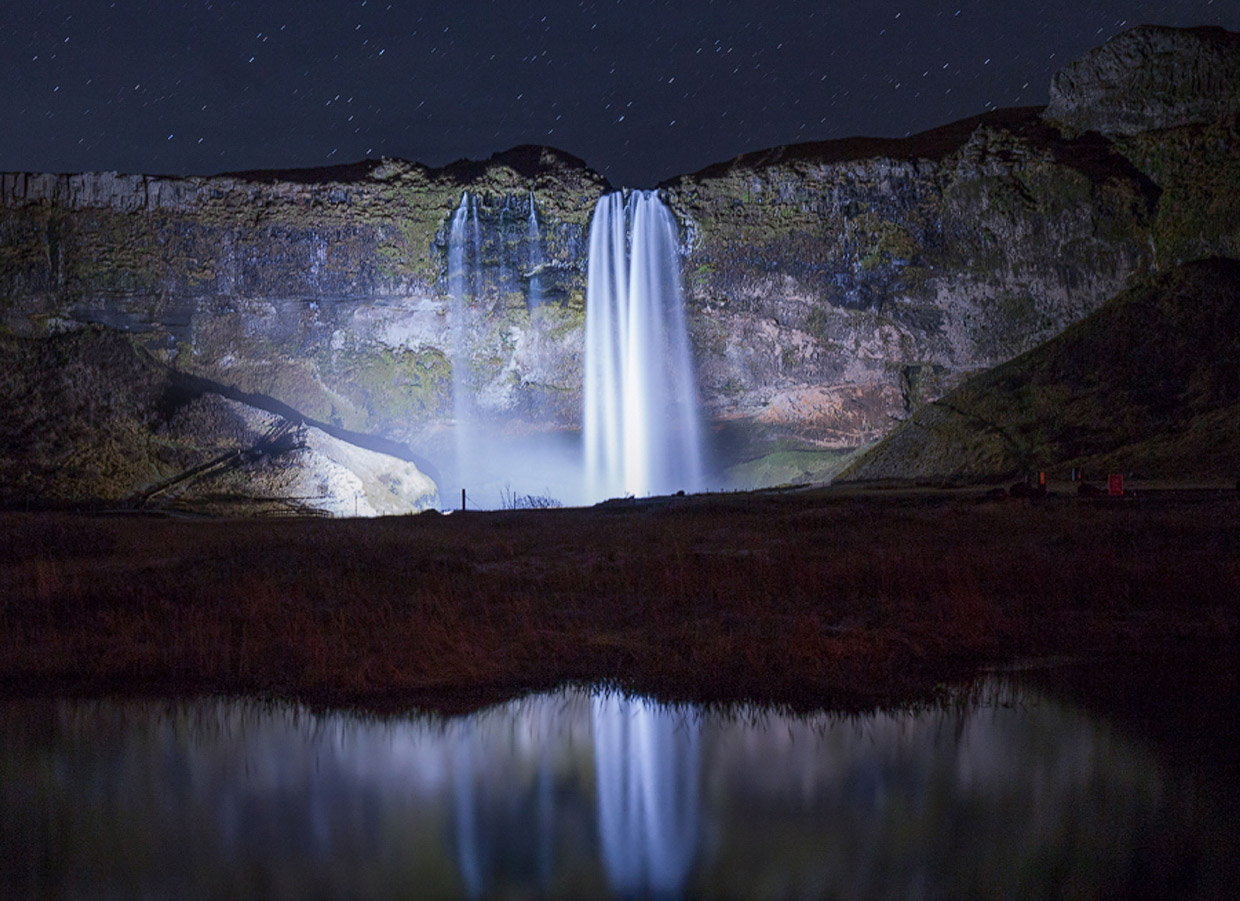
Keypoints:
pixel 838 286
pixel 324 289
pixel 1169 100
pixel 832 288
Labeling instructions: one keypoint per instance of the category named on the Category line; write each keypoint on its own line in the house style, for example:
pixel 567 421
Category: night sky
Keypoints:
pixel 640 90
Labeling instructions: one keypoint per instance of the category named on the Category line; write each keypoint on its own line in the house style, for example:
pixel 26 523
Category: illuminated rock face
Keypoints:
pixel 830 289
pixel 641 410
pixel 86 418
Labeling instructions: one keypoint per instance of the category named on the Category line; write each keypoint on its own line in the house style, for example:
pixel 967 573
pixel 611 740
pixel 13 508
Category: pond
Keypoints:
pixel 1022 786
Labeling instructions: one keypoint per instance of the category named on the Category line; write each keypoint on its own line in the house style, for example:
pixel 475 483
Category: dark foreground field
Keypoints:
pixel 807 599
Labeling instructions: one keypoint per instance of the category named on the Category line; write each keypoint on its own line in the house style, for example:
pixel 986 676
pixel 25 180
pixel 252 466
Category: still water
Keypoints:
pixel 1014 790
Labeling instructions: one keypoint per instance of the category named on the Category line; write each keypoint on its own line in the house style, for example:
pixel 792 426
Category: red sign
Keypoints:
pixel 1115 484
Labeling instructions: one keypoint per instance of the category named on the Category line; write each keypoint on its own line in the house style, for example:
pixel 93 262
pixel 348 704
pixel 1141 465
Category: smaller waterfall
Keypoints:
pixel 534 294
pixel 641 418
pixel 504 217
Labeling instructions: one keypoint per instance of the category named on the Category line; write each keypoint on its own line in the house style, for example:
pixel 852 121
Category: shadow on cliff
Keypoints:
pixel 191 386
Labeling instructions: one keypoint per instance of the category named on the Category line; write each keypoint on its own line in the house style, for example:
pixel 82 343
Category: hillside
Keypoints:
pixel 1148 385
pixel 86 419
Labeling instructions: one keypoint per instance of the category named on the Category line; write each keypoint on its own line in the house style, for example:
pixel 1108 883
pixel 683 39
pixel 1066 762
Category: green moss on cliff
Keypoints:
pixel 885 241
pixel 109 252
pixel 395 387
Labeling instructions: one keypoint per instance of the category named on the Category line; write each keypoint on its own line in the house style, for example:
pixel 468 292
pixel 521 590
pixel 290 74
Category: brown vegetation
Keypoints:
pixel 809 599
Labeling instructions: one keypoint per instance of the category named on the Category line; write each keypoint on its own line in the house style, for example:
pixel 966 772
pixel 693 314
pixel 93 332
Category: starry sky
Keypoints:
pixel 640 89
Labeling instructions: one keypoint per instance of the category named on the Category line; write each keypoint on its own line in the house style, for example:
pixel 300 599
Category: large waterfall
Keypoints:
pixel 462 281
pixel 641 426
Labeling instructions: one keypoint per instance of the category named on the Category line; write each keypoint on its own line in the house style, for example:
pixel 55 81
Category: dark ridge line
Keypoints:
pixel 934 143
pixel 1093 155
pixel 525 159
pixel 200 385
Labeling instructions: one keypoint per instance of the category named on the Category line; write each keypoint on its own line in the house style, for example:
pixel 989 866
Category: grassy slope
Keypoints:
pixel 788 466
pixel 1148 385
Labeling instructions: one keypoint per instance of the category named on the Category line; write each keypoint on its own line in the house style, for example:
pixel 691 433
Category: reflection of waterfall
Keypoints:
pixel 503 799
pixel 647 771
pixel 640 418
pixel 534 294
pixel 462 278
pixel 473 843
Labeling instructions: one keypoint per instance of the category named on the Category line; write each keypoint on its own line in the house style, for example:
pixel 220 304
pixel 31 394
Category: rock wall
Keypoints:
pixel 832 288
pixel 325 289
pixel 1147 79
pixel 837 286
pixel 1169 100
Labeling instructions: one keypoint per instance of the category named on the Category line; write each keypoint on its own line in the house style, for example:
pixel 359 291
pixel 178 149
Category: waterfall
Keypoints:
pixel 476 240
pixel 641 426
pixel 534 296
pixel 462 280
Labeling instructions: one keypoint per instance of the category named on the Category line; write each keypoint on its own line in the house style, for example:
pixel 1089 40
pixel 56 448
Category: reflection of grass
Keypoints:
pixel 808 598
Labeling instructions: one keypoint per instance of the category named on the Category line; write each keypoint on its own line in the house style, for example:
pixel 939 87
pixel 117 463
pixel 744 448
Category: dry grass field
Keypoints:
pixel 807 599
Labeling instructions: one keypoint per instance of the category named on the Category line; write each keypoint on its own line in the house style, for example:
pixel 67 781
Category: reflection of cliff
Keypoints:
pixel 572 796
pixel 509 816
pixel 647 766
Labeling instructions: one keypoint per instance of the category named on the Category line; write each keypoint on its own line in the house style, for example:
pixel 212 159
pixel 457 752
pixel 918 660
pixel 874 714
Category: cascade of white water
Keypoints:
pixel 640 423
pixel 534 296
pixel 476 240
pixel 460 283
pixel 647 770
